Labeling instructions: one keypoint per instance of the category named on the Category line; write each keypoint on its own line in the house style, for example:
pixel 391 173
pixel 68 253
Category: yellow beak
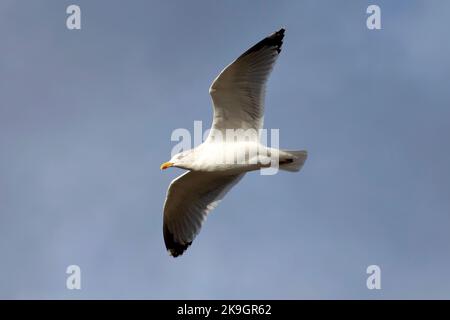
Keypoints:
pixel 166 165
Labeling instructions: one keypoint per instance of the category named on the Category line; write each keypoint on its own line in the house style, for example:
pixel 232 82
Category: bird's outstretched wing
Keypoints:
pixel 190 198
pixel 238 91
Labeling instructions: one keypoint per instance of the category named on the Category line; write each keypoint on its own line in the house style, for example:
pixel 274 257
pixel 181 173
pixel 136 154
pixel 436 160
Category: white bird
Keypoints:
pixel 238 102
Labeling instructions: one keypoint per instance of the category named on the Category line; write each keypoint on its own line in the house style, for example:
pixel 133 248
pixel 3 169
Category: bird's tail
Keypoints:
pixel 292 160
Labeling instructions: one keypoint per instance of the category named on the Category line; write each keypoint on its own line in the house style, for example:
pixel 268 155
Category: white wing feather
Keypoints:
pixel 190 198
pixel 238 91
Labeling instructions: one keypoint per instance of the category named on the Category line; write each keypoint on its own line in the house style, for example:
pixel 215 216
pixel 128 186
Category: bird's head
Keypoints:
pixel 183 160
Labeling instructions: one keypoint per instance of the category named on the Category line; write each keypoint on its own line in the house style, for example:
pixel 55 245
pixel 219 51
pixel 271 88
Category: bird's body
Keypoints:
pixel 232 157
pixel 232 148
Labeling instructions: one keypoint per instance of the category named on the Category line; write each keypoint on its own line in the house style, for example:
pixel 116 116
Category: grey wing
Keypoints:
pixel 190 198
pixel 238 91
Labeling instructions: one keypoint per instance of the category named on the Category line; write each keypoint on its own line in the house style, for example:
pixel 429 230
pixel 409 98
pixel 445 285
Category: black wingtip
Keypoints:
pixel 174 248
pixel 278 38
pixel 273 40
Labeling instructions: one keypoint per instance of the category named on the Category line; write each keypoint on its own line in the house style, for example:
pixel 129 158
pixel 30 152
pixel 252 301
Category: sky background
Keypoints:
pixel 86 118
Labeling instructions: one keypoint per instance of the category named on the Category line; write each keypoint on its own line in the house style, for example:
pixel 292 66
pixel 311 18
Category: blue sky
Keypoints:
pixel 86 118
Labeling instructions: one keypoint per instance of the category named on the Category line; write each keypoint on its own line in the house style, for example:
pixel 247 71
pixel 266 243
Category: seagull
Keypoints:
pixel 238 102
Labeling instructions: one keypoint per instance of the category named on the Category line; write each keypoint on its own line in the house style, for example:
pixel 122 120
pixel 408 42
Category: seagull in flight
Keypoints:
pixel 238 101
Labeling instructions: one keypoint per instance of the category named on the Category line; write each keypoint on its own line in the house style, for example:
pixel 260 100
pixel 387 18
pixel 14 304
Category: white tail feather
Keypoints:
pixel 292 160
